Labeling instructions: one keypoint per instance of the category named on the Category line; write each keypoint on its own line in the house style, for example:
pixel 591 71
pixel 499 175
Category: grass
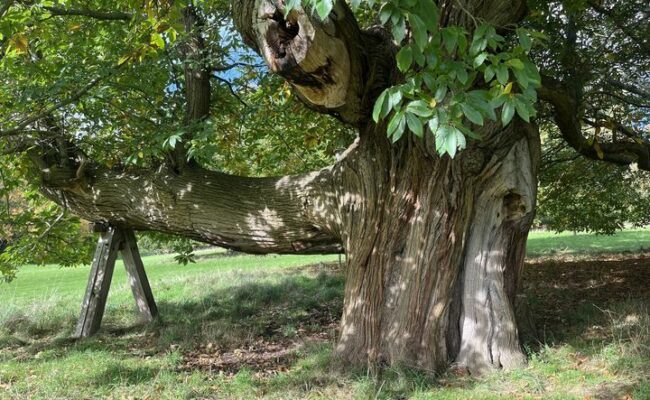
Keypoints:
pixel 250 326
pixel 544 243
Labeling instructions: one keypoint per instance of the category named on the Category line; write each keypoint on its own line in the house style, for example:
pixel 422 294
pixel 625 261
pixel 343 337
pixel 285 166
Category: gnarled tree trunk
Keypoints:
pixel 435 245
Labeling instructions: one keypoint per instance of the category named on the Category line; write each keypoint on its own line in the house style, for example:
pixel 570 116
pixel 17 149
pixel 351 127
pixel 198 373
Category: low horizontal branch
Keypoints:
pixel 255 215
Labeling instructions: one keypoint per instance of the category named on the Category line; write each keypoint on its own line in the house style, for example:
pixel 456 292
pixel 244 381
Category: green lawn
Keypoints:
pixel 41 282
pixel 264 326
pixel 567 243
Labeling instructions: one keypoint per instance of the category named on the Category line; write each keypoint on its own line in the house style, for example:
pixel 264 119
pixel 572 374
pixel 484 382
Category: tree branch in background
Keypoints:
pixel 20 128
pixel 197 81
pixel 101 15
pixel 638 90
pixel 567 117
pixel 232 90
pixel 642 42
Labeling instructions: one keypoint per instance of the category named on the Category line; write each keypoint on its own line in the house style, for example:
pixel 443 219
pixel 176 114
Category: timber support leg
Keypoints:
pixel 138 278
pixel 111 241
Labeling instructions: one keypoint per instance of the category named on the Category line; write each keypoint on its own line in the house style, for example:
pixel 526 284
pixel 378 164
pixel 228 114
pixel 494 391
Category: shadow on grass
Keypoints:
pixel 294 305
pixel 237 315
pixel 118 374
pixel 568 300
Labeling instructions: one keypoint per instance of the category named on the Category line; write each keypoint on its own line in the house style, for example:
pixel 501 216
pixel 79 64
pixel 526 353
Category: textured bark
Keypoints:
pixel 434 249
pixel 255 215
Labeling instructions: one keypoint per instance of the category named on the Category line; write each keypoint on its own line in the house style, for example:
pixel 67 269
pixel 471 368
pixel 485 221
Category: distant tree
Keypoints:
pixel 123 113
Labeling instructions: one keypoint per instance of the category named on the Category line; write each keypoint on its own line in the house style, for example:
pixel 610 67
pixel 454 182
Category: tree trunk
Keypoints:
pixel 435 247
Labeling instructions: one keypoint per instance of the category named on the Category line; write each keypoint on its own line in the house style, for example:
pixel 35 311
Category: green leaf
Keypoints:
pixel 378 111
pixel 533 74
pixel 521 77
pixel 404 58
pixel 440 94
pixel 428 11
pixel 394 98
pixel 451 142
pixel 472 114
pixel 460 139
pixel 399 29
pixel 461 74
pixel 515 63
pixel 507 112
pixel 157 40
pixel 419 108
pixel 441 138
pixel 396 126
pixel 524 39
pixel 419 58
pixel 502 74
pixel 522 109
pixel 479 59
pixel 414 124
pixel 478 45
pixel 429 80
pixel 323 8
pixel 433 123
pixel 488 75
pixel 498 101
pixel 419 31
pixel 449 39
pixel 386 12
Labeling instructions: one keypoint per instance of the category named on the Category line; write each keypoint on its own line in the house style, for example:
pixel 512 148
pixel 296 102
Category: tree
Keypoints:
pixel 121 109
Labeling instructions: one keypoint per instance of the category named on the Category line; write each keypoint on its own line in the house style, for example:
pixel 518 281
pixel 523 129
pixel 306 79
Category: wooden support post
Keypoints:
pixel 138 278
pixel 111 241
pixel 99 282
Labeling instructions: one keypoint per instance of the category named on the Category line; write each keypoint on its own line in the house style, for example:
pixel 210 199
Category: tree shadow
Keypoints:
pixel 119 374
pixel 567 299
pixel 282 332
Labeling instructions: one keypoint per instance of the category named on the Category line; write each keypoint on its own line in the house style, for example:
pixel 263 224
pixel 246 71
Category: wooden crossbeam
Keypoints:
pixel 113 240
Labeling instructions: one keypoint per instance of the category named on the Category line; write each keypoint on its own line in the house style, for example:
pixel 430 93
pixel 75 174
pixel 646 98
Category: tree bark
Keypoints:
pixel 435 247
pixel 255 215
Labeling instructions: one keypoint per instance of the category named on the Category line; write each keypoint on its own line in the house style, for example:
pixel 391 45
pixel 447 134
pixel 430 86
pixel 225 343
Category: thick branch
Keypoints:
pixel 638 90
pixel 197 72
pixel 197 80
pixel 567 118
pixel 254 215
pixel 334 66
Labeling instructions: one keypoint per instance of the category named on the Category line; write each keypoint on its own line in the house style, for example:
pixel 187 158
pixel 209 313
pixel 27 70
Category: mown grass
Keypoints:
pixel 235 306
pixel 545 243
